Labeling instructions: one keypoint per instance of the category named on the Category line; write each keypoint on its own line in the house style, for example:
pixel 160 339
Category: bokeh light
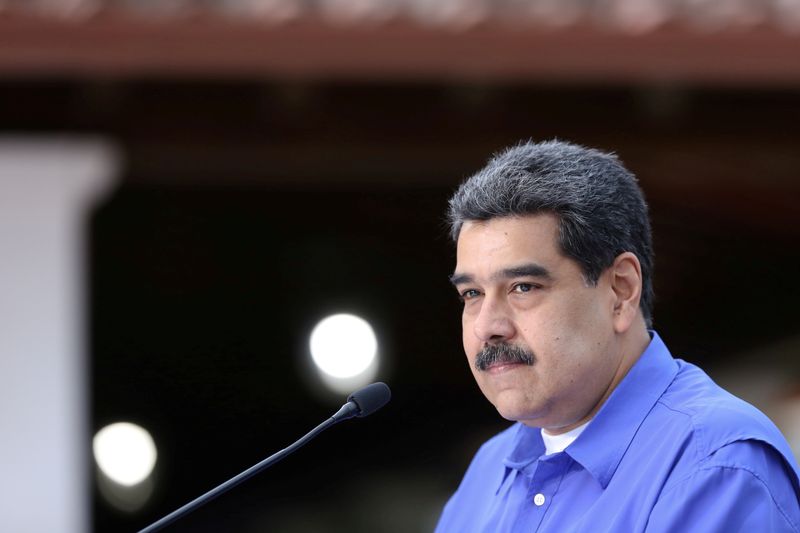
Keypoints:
pixel 125 453
pixel 344 350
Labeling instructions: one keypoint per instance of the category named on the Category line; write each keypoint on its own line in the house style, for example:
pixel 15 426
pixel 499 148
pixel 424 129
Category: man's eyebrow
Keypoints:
pixel 529 270
pixel 458 279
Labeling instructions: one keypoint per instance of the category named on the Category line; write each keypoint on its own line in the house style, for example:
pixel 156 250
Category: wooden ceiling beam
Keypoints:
pixel 120 45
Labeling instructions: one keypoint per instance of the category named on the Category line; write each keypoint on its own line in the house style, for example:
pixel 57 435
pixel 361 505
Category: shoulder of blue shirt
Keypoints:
pixel 716 420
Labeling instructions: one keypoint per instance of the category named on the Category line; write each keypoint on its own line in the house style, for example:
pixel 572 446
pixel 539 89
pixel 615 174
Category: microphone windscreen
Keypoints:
pixel 371 398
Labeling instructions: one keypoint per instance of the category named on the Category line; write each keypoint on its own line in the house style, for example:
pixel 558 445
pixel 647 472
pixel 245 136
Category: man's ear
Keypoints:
pixel 626 282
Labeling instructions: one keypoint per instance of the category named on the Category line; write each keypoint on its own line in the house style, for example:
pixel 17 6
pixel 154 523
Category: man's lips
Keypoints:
pixel 498 368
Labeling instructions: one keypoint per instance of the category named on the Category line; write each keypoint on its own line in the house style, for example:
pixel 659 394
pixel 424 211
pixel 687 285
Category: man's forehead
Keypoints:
pixel 537 222
pixel 528 236
pixel 509 247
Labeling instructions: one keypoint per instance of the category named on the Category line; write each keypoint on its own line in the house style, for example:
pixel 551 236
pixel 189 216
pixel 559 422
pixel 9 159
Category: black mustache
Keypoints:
pixel 503 353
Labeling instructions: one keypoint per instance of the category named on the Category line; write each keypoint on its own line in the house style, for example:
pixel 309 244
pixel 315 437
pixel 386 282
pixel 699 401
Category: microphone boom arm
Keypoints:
pixel 360 403
pixel 244 476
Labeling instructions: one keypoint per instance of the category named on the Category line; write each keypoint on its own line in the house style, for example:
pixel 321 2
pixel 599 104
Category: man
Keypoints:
pixel 554 266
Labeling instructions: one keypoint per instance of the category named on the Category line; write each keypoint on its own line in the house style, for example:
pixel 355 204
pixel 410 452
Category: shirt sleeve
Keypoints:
pixel 745 486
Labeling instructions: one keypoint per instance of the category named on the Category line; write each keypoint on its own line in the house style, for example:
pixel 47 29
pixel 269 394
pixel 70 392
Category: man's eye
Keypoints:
pixel 524 287
pixel 469 294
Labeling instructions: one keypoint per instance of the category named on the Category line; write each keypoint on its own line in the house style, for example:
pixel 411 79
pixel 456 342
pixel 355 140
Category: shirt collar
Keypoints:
pixel 600 448
pixel 527 446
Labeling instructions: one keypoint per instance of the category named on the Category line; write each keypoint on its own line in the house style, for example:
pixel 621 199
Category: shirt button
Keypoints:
pixel 539 499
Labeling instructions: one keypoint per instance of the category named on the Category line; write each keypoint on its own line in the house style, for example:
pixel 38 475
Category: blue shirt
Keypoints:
pixel 668 451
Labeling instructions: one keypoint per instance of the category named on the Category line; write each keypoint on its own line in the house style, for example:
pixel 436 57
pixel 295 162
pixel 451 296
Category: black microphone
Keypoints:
pixel 364 401
pixel 361 403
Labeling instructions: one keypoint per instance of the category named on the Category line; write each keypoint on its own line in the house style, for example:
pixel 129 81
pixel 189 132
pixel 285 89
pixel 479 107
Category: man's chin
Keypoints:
pixel 514 412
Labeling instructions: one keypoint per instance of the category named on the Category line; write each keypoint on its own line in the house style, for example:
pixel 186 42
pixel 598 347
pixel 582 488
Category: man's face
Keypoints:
pixel 550 353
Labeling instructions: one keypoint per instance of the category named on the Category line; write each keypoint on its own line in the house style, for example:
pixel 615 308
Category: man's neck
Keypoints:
pixel 632 345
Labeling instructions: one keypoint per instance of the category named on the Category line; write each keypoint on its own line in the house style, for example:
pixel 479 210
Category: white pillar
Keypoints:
pixel 47 186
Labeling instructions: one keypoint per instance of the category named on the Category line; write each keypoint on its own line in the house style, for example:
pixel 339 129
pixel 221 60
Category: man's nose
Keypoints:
pixel 493 323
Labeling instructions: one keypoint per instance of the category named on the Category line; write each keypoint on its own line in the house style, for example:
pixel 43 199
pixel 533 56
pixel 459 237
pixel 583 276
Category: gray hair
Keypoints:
pixel 600 208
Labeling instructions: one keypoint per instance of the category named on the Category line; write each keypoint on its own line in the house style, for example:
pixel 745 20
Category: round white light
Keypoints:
pixel 125 453
pixel 343 346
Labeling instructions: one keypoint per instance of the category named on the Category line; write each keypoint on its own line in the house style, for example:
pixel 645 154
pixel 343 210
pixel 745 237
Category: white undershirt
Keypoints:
pixel 558 443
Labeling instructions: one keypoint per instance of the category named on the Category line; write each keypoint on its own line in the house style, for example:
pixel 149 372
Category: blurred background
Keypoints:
pixel 189 187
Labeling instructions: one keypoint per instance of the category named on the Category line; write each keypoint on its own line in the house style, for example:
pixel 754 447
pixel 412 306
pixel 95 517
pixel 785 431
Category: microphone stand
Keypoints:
pixel 348 410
